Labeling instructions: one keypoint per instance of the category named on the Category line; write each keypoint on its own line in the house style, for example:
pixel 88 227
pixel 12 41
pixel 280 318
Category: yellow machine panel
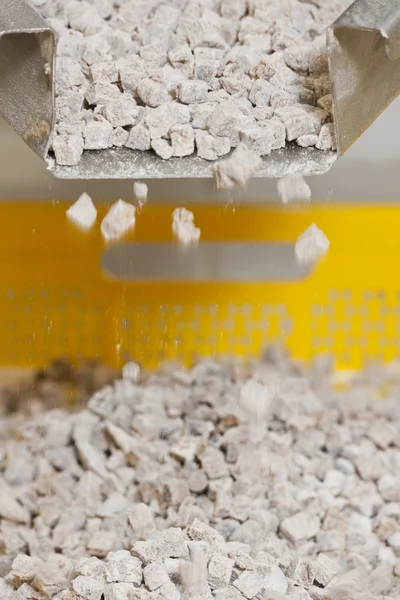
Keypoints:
pixel 55 300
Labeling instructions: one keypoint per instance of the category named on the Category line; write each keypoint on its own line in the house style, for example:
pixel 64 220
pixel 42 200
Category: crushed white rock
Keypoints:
pixel 311 245
pixel 238 168
pixel 235 68
pixel 183 226
pixel 118 221
pixel 226 481
pixel 141 191
pixel 83 212
pixel 293 188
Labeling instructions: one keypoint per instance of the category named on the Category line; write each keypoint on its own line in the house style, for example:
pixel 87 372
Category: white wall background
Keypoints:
pixel 370 171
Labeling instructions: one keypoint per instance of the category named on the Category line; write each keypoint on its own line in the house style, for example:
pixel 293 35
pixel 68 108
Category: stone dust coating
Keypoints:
pixel 226 481
pixel 186 77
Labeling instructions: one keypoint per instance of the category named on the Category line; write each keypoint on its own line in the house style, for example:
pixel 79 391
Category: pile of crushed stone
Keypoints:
pixel 183 77
pixel 225 481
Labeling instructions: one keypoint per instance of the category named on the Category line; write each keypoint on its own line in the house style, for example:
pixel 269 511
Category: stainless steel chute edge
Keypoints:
pixel 364 64
pixel 363 51
pixel 27 67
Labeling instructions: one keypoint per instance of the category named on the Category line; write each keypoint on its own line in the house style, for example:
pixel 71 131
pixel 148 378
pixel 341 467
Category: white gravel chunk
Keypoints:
pixel 160 120
pixel 227 120
pixel 183 226
pixel 88 588
pixel 213 463
pixel 299 527
pixel 104 72
pixel 293 188
pixel 26 592
pixel 193 91
pixel 10 508
pixel 261 93
pixel 311 245
pixel 389 487
pixel 326 103
pixel 119 137
pixel 155 576
pixel 162 148
pixel 275 581
pixel 199 531
pixel 302 571
pixel 152 93
pixel 167 544
pixel 238 168
pixel 382 433
pixel 102 93
pixel 325 569
pixel 307 141
pixel 295 594
pixel 6 590
pixel 298 122
pixel 122 567
pixel 394 542
pixel 97 135
pixel 68 149
pixel 118 221
pixel 122 112
pixel 101 543
pixel 141 191
pixel 120 591
pixel 182 140
pixel 327 137
pixel 83 212
pixel 139 138
pixel 219 570
pixel 210 147
pixel 259 139
pixel 24 568
pixel 249 584
pixel 228 593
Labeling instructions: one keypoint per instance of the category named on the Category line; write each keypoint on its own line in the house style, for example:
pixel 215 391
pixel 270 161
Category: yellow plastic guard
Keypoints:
pixel 55 301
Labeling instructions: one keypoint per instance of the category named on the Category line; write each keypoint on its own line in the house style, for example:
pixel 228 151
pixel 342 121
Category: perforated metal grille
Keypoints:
pixel 180 331
pixel 361 324
pixel 38 324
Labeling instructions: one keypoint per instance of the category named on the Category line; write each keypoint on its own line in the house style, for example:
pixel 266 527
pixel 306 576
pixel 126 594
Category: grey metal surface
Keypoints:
pixel 364 59
pixel 203 262
pixel 27 56
pixel 130 164
pixel 363 48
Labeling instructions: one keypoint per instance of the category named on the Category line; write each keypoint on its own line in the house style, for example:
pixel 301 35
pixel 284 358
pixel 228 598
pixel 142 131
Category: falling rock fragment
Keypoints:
pixel 311 245
pixel 141 191
pixel 236 170
pixel 118 221
pixel 83 213
pixel 183 226
pixel 293 188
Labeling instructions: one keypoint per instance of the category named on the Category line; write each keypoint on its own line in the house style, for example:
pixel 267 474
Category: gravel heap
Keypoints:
pixel 183 77
pixel 225 481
